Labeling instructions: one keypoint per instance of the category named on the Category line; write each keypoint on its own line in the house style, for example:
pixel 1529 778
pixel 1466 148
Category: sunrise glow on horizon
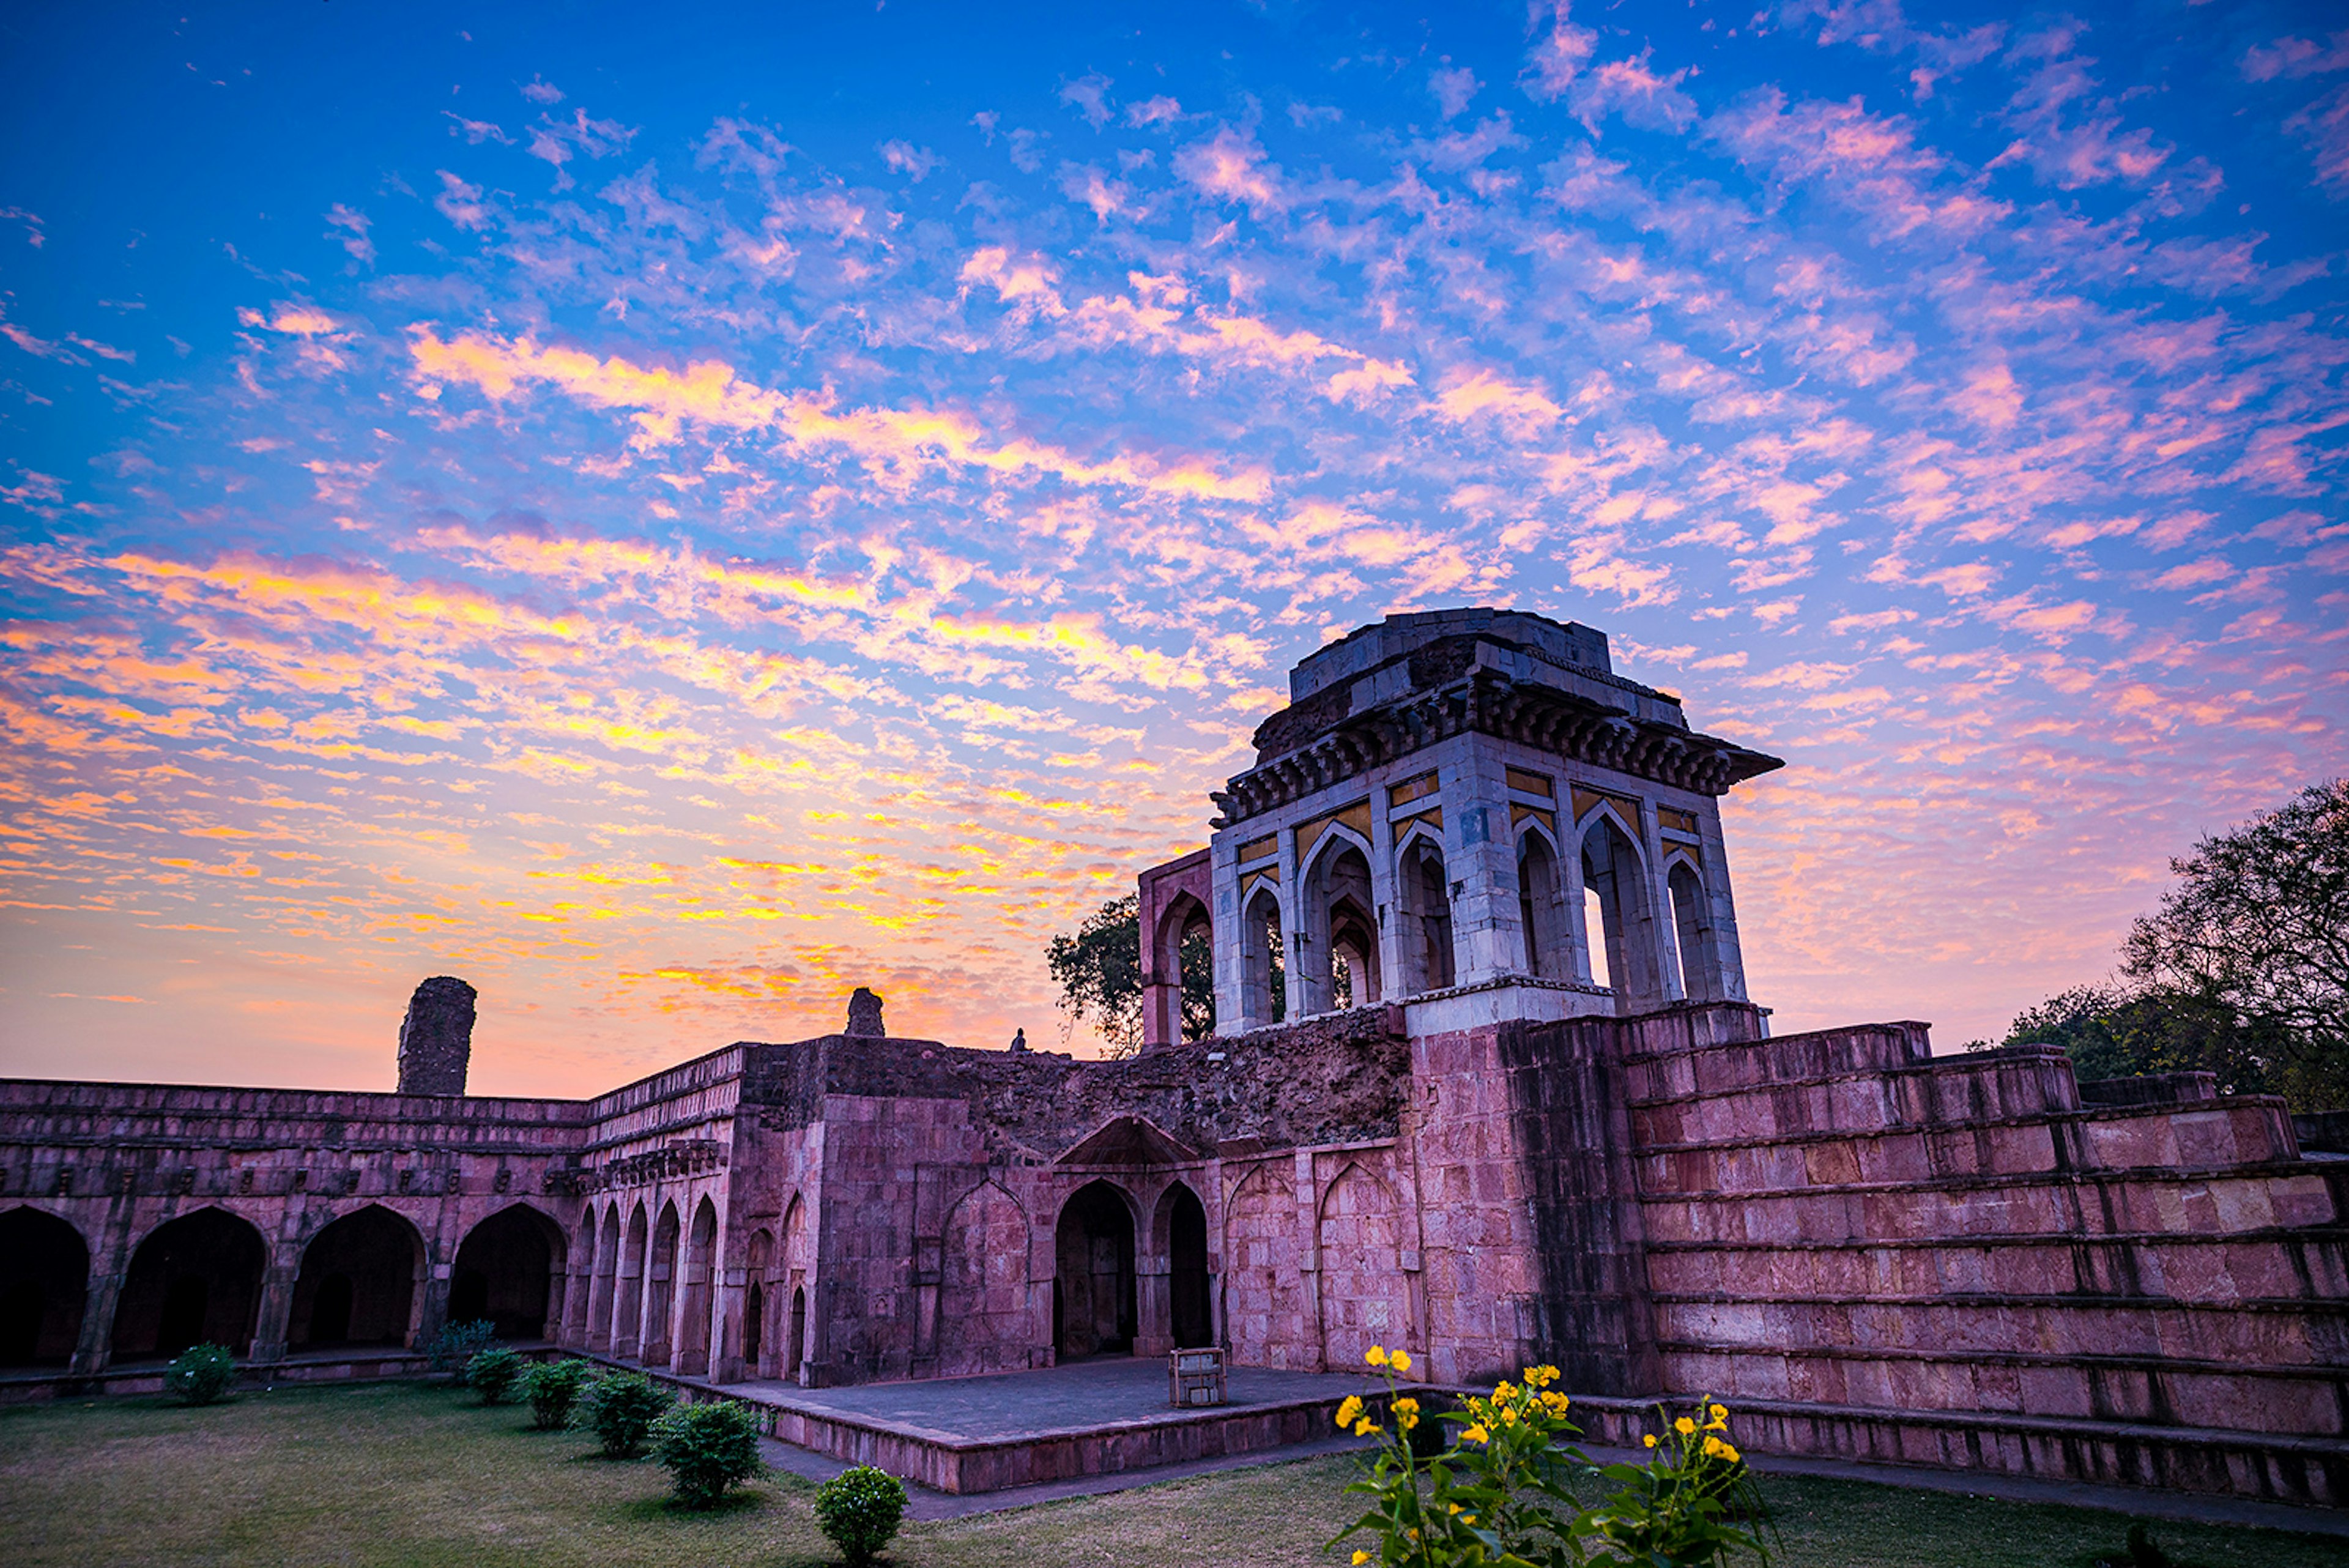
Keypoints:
pixel 672 523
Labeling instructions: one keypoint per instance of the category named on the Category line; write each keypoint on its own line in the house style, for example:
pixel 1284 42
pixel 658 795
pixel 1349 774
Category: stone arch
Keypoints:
pixel 1615 872
pixel 628 1290
pixel 195 1280
pixel 983 1321
pixel 758 1270
pixel 1365 1295
pixel 357 1282
pixel 1095 1310
pixel 1263 964
pixel 1178 1233
pixel 43 1288
pixel 1184 945
pixel 1337 925
pixel 696 1296
pixel 1693 929
pixel 660 1288
pixel 1424 907
pixel 1267 1319
pixel 507 1272
pixel 1542 906
pixel 796 1339
pixel 600 1308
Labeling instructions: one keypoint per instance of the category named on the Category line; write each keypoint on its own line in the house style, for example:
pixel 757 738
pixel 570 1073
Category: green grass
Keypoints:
pixel 397 1473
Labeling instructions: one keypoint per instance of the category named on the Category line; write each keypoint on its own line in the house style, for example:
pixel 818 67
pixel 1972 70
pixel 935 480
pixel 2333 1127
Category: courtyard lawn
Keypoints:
pixel 397 1473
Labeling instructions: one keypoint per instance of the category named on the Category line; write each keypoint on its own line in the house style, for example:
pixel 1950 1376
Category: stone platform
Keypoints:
pixel 1105 1416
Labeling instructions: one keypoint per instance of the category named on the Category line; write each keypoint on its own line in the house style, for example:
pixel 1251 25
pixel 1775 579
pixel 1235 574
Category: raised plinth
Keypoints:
pixel 1024 1428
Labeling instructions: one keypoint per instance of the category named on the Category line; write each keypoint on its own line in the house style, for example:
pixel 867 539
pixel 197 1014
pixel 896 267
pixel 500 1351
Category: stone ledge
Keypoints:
pixel 2150 1175
pixel 2087 1361
pixel 2336 1235
pixel 1991 1301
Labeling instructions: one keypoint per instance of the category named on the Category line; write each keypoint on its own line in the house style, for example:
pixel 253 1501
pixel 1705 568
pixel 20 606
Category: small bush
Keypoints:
pixel 709 1449
pixel 858 1510
pixel 492 1374
pixel 553 1388
pixel 201 1375
pixel 456 1345
pixel 620 1410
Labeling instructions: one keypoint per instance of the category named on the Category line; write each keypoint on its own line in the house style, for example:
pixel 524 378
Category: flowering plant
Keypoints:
pixel 1500 1495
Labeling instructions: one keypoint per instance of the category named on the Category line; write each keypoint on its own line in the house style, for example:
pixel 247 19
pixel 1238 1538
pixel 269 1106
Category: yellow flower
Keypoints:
pixel 1406 1403
pixel 1456 1507
pixel 1728 1453
pixel 1360 1558
pixel 1376 1356
pixel 1468 1518
pixel 1477 1434
pixel 1505 1392
pixel 1402 1360
pixel 1405 1420
pixel 1719 1412
pixel 1649 1439
pixel 1684 1426
pixel 1349 1408
pixel 1365 1427
pixel 1712 1447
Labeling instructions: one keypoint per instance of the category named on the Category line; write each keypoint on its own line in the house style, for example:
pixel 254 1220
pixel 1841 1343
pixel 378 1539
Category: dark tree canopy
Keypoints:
pixel 2243 971
pixel 1100 974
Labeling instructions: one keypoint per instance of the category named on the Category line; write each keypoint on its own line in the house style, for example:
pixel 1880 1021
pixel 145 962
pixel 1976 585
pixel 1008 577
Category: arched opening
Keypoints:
pixel 1627 938
pixel 693 1321
pixel 1541 906
pixel 1692 927
pixel 1338 950
pixel 1188 1289
pixel 1186 962
pixel 194 1281
pixel 1264 966
pixel 1425 896
pixel 357 1282
pixel 1267 1317
pixel 43 1288
pixel 1365 1296
pixel 505 1273
pixel 660 1274
pixel 1092 1283
pixel 628 1293
pixel 795 1352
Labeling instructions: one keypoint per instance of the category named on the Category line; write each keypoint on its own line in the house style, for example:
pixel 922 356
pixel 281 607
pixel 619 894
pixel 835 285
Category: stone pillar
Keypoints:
pixel 1487 925
pixel 272 1324
pixel 436 1039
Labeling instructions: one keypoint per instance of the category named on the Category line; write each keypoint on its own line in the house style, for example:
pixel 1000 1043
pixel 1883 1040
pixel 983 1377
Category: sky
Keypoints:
pixel 671 516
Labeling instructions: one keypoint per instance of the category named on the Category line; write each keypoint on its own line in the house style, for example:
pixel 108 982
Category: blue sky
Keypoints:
pixel 672 522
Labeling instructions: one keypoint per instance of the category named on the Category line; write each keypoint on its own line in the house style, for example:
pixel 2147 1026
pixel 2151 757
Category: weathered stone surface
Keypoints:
pixel 865 1016
pixel 435 1038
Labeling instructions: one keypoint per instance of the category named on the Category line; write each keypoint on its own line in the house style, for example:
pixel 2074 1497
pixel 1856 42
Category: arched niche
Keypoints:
pixel 1542 907
pixel 1694 933
pixel 1337 930
pixel 195 1280
pixel 357 1282
pixel 1263 964
pixel 696 1296
pixel 43 1288
pixel 1093 1301
pixel 1184 961
pixel 505 1273
pixel 660 1287
pixel 1423 899
pixel 628 1290
pixel 983 1318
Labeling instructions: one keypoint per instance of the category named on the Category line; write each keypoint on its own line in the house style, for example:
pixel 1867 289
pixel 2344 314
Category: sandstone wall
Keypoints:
pixel 1885 1254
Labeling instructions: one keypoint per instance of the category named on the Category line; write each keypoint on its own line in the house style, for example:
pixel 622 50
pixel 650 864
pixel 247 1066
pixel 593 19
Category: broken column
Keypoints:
pixel 865 1014
pixel 435 1038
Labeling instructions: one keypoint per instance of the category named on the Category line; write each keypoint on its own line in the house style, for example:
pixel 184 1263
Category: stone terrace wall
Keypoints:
pixel 116 1161
pixel 1885 1254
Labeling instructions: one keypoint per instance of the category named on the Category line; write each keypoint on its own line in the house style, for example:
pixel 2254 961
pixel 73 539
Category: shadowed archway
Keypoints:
pixel 358 1283
pixel 43 1288
pixel 195 1280
pixel 1093 1308
pixel 504 1273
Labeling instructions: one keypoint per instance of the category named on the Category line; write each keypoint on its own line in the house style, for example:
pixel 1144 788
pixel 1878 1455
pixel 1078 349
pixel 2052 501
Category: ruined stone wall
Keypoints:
pixel 1884 1254
pixel 117 1162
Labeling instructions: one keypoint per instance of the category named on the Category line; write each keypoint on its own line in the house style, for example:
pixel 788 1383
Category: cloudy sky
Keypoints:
pixel 673 522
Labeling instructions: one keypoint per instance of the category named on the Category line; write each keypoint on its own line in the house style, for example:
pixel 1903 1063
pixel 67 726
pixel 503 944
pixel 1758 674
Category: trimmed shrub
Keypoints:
pixel 201 1375
pixel 858 1510
pixel 553 1388
pixel 492 1374
pixel 709 1450
pixel 457 1343
pixel 620 1410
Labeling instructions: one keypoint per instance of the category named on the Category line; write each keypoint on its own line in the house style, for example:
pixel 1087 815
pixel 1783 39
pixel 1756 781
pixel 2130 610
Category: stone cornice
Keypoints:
pixel 1543 717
